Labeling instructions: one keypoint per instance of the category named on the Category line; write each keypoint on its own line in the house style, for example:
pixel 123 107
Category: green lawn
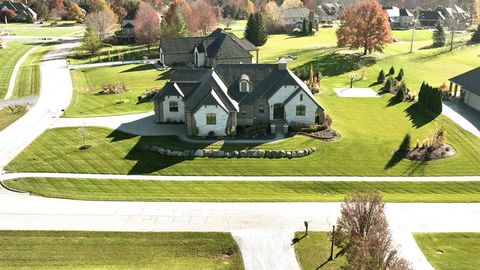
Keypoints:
pixel 45 31
pixel 238 191
pixel 27 82
pixel 313 251
pixel 87 82
pixel 8 58
pixel 118 250
pixel 447 251
pixel 7 117
pixel 112 53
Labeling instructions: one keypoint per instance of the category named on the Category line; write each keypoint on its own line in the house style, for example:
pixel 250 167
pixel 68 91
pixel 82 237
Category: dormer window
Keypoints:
pixel 244 83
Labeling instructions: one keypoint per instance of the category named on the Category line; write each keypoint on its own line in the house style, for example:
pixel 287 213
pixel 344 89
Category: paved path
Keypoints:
pixel 110 64
pixel 271 224
pixel 13 78
pixel 467 118
pixel 30 101
pixel 143 124
pixel 244 178
pixel 56 92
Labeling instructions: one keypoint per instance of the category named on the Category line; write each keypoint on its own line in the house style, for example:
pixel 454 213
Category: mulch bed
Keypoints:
pixel 327 135
pixel 427 154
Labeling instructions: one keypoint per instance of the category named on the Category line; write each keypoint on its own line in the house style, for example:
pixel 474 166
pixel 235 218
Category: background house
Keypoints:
pixel 430 18
pixel 214 101
pixel 24 13
pixel 127 31
pixel 468 84
pixel 400 18
pixel 328 12
pixel 294 17
pixel 219 47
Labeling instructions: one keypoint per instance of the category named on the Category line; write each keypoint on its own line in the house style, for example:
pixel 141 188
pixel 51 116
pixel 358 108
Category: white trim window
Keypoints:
pixel 301 110
pixel 244 86
pixel 211 119
pixel 173 106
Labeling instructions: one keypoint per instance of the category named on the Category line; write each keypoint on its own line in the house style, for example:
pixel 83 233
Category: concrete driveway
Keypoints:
pixel 463 115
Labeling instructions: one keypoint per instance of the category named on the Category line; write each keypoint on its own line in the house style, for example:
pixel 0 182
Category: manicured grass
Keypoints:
pixel 27 82
pixel 8 58
pixel 446 251
pixel 87 82
pixel 7 117
pixel 47 31
pixel 238 191
pixel 113 53
pixel 313 251
pixel 118 250
pixel 406 35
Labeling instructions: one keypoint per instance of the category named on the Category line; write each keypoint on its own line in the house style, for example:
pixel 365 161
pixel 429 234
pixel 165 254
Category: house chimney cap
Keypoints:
pixel 282 64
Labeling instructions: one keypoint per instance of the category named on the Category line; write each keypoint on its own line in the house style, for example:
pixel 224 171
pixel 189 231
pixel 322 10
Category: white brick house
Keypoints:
pixel 215 101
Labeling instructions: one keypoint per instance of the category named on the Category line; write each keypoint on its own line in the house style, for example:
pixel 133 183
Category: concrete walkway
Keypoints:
pixel 464 116
pixel 56 92
pixel 29 101
pixel 8 176
pixel 13 78
pixel 263 230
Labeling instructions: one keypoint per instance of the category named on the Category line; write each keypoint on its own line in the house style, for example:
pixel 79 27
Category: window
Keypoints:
pixel 211 119
pixel 301 110
pixel 173 106
pixel 301 97
pixel 243 86
pixel 261 108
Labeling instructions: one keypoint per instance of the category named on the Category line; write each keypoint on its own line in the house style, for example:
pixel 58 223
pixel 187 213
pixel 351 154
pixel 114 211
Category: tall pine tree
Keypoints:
pixel 255 31
pixel 439 39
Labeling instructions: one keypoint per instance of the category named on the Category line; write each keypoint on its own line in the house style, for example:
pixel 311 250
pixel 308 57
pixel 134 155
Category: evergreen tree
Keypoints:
pixel 439 39
pixel 421 94
pixel 381 77
pixel 180 26
pixel 310 28
pixel 91 42
pixel 401 92
pixel 255 31
pixel 392 71
pixel 388 85
pixel 400 75
pixel 476 35
pixel 304 27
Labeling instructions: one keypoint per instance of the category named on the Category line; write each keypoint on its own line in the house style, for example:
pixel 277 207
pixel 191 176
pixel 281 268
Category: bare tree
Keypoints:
pixel 362 232
pixel 103 22
pixel 147 25
pixel 206 16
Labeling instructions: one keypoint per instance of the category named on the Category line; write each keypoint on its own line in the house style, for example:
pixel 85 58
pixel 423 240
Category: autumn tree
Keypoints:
pixel 7 15
pixel 157 4
pixel 476 35
pixel 173 23
pixel 310 4
pixel 119 8
pixel 249 7
pixel 41 7
pixel 364 25
pixel 273 17
pixel 206 15
pixel 98 5
pixel 147 25
pixel 475 13
pixel 91 42
pixel 255 31
pixel 362 233
pixel 104 23
pixel 287 4
pixel 236 6
pixel 75 13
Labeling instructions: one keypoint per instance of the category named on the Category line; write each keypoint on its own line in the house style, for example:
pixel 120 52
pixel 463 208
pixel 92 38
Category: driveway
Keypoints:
pixel 463 115
pixel 56 92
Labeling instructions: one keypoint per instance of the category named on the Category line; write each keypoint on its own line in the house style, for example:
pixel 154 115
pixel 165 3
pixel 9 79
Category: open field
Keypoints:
pixel 8 58
pixel 313 251
pixel 237 191
pixel 118 250
pixel 446 251
pixel 27 82
pixel 7 117
pixel 113 53
pixel 87 82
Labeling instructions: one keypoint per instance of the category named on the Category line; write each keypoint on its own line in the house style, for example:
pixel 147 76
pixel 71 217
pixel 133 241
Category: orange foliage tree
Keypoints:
pixel 365 25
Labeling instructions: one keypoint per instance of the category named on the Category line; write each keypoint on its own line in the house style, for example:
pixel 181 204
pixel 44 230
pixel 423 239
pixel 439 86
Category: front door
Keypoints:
pixel 278 111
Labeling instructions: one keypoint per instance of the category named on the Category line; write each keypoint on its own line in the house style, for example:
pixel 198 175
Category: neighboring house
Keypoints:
pixel 229 11
pixel 456 14
pixel 430 18
pixel 328 12
pixel 294 17
pixel 219 47
pixel 468 84
pixel 400 18
pixel 24 13
pixel 213 102
pixel 127 31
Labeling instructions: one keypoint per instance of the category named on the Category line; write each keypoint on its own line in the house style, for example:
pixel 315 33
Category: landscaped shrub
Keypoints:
pixel 148 95
pixel 476 35
pixel 401 92
pixel 381 77
pixel 117 88
pixel 400 75
pixel 439 39
pixel 392 71
pixel 389 85
pixel 430 98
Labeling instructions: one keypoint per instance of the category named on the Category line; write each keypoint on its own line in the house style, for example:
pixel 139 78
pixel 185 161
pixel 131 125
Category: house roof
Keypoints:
pixel 393 11
pixel 300 12
pixel 431 15
pixel 19 8
pixel 405 13
pixel 469 80
pixel 219 45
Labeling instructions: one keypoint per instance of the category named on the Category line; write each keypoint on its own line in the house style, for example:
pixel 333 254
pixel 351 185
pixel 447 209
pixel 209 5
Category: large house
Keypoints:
pixel 328 12
pixel 294 17
pixel 430 18
pixel 24 13
pixel 400 18
pixel 127 31
pixel 213 102
pixel 469 84
pixel 219 47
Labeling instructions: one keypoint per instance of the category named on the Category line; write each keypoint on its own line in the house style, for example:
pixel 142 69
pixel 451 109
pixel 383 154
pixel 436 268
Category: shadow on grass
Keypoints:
pixel 297 239
pixel 418 116
pixel 139 68
pixel 399 153
pixel 334 64
pixel 163 76
pixel 393 101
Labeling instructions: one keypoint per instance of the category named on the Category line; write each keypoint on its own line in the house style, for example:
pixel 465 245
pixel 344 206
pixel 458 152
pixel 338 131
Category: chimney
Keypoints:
pixel 282 64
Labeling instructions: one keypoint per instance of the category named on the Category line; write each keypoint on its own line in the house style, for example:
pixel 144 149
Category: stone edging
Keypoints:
pixel 271 154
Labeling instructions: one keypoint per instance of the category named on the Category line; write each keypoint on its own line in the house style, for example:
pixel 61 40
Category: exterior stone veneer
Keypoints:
pixel 231 154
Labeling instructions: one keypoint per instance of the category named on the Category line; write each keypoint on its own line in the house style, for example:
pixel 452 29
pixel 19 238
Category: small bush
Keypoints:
pixel 117 88
pixel 381 76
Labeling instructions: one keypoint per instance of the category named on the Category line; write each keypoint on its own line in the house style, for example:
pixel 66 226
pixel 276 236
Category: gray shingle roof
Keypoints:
pixel 469 80
pixel 300 12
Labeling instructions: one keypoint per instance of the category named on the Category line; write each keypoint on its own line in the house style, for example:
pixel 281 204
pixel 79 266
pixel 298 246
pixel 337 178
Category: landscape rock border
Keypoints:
pixel 254 153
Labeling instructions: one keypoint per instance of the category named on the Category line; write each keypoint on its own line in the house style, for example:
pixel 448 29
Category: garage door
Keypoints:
pixel 473 101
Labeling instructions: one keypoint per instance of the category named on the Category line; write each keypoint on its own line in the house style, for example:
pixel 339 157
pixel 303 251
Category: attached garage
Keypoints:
pixel 468 84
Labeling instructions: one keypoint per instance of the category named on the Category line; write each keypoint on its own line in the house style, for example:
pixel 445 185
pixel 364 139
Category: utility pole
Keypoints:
pixel 413 38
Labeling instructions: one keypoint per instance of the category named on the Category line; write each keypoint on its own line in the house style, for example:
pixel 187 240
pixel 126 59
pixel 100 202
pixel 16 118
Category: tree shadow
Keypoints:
pixel 418 116
pixel 139 68
pixel 334 64
pixel 298 239
pixel 163 76
pixel 400 153
pixel 393 101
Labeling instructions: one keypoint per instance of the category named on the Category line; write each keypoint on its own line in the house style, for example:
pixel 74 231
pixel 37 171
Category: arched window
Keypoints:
pixel 173 106
pixel 301 110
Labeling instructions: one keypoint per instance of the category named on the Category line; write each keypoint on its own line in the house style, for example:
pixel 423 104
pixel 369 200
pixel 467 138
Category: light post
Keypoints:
pixel 331 247
pixel 353 76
